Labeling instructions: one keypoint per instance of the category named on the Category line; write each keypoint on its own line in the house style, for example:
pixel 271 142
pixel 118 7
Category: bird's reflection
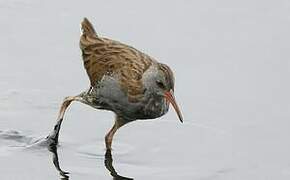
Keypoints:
pixel 108 164
pixel 110 167
pixel 53 150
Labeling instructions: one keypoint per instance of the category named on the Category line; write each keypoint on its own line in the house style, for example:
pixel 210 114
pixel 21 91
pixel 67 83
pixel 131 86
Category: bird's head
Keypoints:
pixel 164 87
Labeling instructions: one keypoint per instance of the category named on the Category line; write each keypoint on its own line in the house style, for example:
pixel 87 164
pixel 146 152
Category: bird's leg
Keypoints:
pixel 53 136
pixel 109 136
pixel 119 122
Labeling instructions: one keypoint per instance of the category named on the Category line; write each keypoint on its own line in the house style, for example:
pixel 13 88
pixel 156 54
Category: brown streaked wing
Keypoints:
pixel 104 56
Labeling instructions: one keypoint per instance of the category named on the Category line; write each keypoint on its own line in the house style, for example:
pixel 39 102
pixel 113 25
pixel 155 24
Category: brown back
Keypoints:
pixel 103 56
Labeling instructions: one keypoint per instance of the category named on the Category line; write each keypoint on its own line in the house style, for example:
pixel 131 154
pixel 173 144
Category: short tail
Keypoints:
pixel 87 28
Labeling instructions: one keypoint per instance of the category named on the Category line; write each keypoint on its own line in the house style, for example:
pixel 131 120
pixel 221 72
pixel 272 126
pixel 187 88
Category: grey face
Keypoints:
pixel 160 84
pixel 159 81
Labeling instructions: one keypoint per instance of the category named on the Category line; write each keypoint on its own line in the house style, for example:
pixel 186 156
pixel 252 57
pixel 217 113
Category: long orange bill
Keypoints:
pixel 170 97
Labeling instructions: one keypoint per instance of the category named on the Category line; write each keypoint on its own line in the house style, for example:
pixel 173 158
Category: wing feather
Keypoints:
pixel 103 56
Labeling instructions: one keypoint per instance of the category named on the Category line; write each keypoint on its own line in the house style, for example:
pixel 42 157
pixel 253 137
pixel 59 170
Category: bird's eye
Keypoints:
pixel 160 84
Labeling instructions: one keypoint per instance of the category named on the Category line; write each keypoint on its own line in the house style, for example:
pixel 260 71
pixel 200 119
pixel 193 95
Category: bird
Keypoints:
pixel 123 80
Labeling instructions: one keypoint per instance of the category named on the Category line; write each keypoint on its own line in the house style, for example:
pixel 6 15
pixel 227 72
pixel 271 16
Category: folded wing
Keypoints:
pixel 103 56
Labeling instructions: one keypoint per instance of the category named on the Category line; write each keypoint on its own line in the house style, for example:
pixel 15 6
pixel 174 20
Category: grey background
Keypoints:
pixel 231 61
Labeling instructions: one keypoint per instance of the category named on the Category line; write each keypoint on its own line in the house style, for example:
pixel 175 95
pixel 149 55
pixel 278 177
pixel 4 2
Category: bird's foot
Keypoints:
pixel 52 140
pixel 108 153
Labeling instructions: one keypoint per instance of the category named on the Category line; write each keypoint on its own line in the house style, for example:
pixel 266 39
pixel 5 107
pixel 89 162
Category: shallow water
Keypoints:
pixel 31 158
pixel 231 61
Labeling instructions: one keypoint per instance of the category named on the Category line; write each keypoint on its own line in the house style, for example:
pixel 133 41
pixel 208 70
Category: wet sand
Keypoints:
pixel 232 84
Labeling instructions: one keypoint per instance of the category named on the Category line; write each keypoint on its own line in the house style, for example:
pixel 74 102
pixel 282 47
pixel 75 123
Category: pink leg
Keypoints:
pixel 55 133
pixel 109 137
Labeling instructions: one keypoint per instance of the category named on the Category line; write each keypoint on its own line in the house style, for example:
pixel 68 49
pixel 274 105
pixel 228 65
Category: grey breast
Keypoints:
pixel 110 96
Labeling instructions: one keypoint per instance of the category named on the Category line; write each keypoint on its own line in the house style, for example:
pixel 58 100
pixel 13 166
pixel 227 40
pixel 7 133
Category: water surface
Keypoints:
pixel 231 61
